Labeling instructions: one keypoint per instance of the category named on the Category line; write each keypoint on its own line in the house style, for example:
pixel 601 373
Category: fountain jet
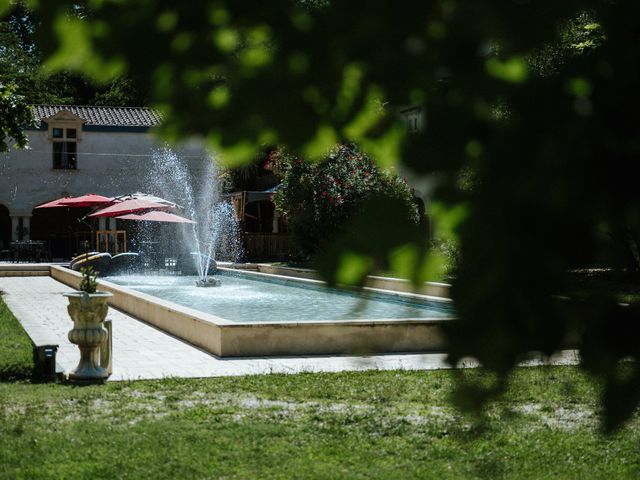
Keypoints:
pixel 194 185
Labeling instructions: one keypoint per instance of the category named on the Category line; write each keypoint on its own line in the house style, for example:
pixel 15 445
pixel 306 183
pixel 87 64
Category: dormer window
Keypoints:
pixel 414 118
pixel 65 151
pixel 65 132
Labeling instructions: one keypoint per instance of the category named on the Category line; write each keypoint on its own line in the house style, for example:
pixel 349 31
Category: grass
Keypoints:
pixel 605 282
pixel 16 351
pixel 623 292
pixel 340 425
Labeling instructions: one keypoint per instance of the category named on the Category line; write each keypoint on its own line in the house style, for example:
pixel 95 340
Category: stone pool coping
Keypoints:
pixel 433 289
pixel 372 286
pixel 226 338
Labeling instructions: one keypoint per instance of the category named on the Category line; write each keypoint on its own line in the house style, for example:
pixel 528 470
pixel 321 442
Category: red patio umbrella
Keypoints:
pixel 128 206
pixel 146 196
pixel 83 201
pixel 156 216
pixel 90 200
pixel 54 203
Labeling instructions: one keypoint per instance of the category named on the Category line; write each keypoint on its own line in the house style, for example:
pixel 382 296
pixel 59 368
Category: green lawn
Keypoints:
pixel 16 352
pixel 622 292
pixel 346 425
pixel 603 281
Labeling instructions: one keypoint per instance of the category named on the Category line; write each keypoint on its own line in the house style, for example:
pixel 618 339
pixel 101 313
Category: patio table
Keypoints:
pixel 28 251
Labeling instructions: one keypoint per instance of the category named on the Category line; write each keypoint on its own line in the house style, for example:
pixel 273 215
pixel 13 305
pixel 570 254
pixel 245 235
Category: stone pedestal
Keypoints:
pixel 88 311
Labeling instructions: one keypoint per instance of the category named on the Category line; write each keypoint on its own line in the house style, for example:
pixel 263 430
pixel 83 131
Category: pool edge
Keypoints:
pixel 229 339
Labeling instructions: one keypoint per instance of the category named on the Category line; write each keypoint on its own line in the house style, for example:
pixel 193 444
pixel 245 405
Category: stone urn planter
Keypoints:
pixel 88 312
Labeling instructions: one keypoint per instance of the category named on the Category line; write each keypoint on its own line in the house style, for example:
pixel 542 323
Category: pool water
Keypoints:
pixel 243 299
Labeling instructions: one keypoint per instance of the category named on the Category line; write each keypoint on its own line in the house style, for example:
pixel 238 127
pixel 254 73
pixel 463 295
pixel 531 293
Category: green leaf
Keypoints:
pixel 447 219
pixel 350 89
pixel 76 52
pixel 226 39
pixel 368 117
pixel 5 5
pixel 234 155
pixel 513 70
pixel 386 149
pixel 219 97
pixel 403 260
pixel 352 268
pixel 324 139
pixel 167 20
pixel 298 62
pixel 433 267
pixel 579 86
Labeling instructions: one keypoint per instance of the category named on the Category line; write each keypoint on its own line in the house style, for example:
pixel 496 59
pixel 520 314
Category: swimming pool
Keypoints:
pixel 243 298
pixel 298 320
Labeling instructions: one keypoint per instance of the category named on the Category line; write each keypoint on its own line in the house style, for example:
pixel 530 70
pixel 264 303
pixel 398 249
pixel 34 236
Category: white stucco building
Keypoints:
pixel 76 150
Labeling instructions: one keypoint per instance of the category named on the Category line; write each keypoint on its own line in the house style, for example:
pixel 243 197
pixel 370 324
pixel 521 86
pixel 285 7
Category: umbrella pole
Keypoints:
pixel 94 239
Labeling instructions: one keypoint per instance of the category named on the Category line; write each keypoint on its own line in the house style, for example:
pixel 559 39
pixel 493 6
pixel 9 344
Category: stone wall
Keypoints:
pixel 109 163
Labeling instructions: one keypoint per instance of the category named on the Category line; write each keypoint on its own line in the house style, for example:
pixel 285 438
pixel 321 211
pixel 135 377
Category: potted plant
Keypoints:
pixel 88 310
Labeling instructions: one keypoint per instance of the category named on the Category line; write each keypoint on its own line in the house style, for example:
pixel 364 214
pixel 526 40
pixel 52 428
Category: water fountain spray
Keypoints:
pixel 193 183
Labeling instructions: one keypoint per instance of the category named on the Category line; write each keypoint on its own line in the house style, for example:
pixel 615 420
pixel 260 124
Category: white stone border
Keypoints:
pixel 226 338
pixel 433 289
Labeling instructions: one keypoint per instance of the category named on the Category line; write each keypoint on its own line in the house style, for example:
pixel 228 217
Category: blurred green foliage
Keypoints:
pixel 21 63
pixel 15 114
pixel 320 199
pixel 533 97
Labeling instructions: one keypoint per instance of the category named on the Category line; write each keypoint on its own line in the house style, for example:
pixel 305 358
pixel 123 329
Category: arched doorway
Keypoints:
pixel 62 228
pixel 5 227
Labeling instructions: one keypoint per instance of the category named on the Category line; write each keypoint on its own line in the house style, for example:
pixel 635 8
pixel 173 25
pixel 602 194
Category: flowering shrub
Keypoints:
pixel 318 199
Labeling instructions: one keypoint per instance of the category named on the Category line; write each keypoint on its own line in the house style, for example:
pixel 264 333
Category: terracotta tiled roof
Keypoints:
pixel 105 116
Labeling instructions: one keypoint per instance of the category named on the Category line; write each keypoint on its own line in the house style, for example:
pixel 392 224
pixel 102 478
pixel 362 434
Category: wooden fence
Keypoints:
pixel 272 246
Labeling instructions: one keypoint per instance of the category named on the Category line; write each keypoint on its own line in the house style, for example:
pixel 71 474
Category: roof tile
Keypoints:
pixel 104 116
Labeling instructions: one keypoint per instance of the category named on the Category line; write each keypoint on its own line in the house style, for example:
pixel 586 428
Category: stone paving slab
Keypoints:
pixel 141 351
pixel 15 266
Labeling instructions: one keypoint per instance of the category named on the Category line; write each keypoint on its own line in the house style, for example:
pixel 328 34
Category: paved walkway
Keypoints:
pixel 141 351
